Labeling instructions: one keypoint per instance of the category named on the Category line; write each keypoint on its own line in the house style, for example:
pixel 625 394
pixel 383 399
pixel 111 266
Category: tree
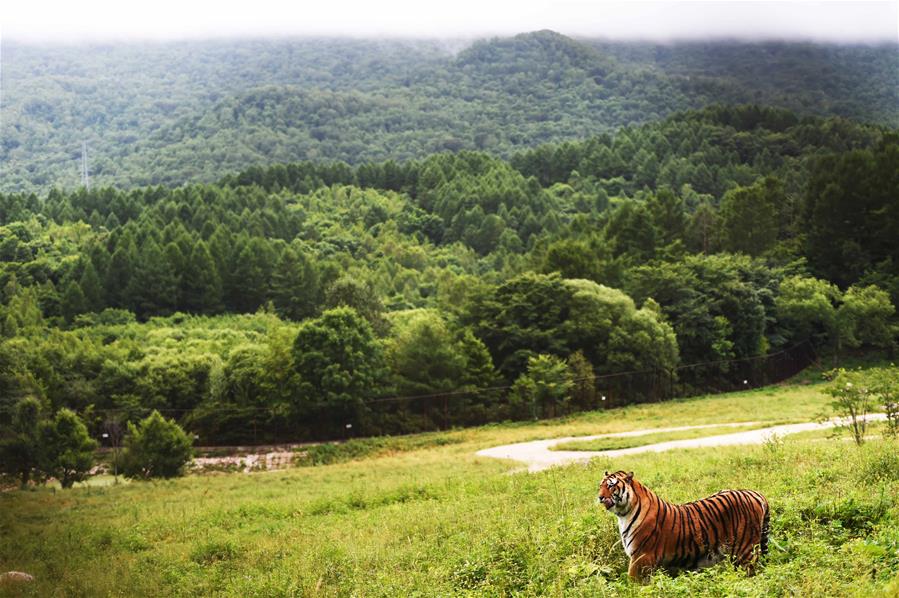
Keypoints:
pixel 668 216
pixel 91 287
pixel 200 282
pixel 521 318
pixel 295 285
pixel 545 388
pixel 249 279
pixel 703 228
pixel 583 390
pixel 66 449
pixel 153 287
pixel 806 306
pixel 854 399
pixel 749 216
pixel 423 355
pixel 630 231
pixel 156 448
pixel 118 276
pixel 850 215
pixel 361 296
pixel 339 361
pixel 73 301
pixel 864 317
pixel 20 446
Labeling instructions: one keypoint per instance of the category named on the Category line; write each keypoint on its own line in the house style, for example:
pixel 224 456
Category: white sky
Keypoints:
pixel 76 20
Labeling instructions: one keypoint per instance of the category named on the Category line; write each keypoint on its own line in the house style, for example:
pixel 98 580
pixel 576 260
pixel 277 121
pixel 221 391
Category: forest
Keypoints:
pixel 321 299
pixel 190 112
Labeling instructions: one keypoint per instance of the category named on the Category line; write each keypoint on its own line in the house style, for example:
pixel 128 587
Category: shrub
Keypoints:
pixel 156 448
pixel 66 449
pixel 853 400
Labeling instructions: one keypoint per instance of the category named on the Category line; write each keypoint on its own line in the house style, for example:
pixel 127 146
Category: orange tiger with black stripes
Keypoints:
pixel 658 534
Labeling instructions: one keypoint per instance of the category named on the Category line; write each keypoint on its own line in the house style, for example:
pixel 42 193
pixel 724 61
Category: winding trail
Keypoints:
pixel 538 456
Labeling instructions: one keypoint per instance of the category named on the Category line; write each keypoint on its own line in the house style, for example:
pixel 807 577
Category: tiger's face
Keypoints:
pixel 616 492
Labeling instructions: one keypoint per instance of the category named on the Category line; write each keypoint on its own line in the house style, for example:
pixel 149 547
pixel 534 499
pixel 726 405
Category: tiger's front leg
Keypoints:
pixel 641 566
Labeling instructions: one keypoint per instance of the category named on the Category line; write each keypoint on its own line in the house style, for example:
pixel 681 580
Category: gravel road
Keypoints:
pixel 538 456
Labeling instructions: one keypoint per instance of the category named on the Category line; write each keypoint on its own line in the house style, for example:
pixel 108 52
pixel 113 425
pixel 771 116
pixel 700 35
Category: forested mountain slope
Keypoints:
pixel 193 112
pixel 293 296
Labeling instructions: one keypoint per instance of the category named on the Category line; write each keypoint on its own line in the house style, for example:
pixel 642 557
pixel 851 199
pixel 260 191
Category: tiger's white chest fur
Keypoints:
pixel 623 521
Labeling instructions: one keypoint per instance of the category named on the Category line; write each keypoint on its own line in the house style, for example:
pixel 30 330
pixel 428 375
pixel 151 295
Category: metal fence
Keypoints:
pixel 394 415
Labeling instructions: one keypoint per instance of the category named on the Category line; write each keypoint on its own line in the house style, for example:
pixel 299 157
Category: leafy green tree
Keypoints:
pixel 118 276
pixel 20 444
pixel 94 300
pixel 153 287
pixel 521 318
pixel 361 297
pixel 864 317
pixel 703 229
pixel 200 282
pixel 66 449
pixel 545 388
pixel 630 231
pixel 849 216
pixel 583 389
pixel 749 216
pixel 73 301
pixel 668 216
pixel 339 361
pixel 575 258
pixel 156 448
pixel 295 288
pixel 807 307
pixel 422 354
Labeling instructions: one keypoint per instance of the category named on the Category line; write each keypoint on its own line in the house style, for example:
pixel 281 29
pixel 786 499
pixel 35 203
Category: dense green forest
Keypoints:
pixel 193 112
pixel 284 302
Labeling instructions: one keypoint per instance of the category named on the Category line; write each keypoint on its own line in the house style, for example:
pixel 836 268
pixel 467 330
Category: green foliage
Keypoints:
pixel 437 520
pixel 20 448
pixel 156 448
pixel 544 389
pixel 854 400
pixel 849 213
pixel 338 359
pixel 807 306
pixel 864 317
pixel 66 450
pixel 751 217
pixel 262 102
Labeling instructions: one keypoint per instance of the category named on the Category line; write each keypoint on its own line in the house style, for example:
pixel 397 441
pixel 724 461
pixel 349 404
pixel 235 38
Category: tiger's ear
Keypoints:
pixel 606 474
pixel 630 476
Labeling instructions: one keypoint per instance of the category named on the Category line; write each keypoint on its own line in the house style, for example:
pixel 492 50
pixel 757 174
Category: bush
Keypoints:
pixel 156 448
pixel 66 449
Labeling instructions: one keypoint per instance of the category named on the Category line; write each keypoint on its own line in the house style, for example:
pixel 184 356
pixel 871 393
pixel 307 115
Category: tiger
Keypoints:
pixel 657 534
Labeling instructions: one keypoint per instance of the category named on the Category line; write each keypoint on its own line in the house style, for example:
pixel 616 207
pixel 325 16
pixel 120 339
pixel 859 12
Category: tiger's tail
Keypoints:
pixel 766 527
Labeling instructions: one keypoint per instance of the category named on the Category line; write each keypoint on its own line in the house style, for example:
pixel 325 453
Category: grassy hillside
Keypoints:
pixel 441 521
pixel 193 112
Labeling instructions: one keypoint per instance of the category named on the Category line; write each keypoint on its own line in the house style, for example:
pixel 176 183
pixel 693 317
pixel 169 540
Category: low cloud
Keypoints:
pixel 846 22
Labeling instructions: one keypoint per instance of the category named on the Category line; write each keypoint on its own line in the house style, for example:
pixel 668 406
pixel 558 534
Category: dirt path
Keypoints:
pixel 538 456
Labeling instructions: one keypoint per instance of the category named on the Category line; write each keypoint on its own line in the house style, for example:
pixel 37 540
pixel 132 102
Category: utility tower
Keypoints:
pixel 85 174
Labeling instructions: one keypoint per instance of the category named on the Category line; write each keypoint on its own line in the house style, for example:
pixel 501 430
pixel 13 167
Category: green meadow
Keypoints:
pixel 425 516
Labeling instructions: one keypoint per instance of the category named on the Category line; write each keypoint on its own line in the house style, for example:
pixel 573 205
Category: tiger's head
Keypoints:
pixel 616 492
